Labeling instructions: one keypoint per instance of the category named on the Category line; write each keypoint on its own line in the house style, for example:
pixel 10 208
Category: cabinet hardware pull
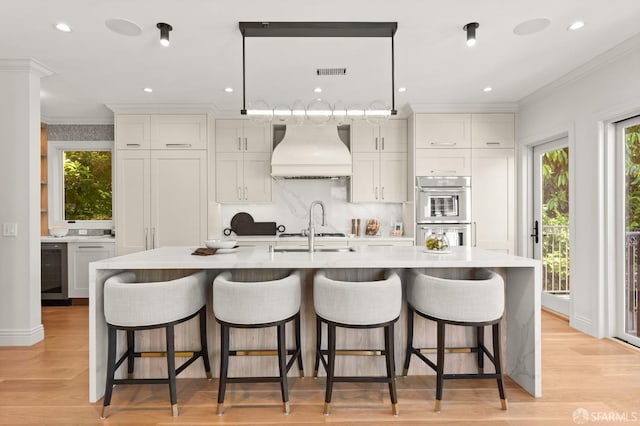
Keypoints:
pixel 245 144
pixel 239 143
pixel 90 247
pixel 383 147
pixel 492 143
pixel 376 144
pixel 443 143
pixel 443 172
pixel 239 193
pixel 376 191
pixel 474 231
pixel 188 145
pixel 246 193
pixel 146 238
pixel 133 144
pixel 382 192
pixel 153 237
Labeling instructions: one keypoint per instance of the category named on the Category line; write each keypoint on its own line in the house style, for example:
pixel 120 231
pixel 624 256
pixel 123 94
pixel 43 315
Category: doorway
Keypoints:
pixel 550 228
pixel 628 230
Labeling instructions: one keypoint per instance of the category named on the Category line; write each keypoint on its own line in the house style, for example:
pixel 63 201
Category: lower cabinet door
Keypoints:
pixel 79 255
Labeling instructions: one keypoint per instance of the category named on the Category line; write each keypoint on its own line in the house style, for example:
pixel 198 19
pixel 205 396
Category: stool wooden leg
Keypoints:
pixel 479 344
pixel 389 345
pixel 131 348
pixel 171 369
pixel 224 365
pixel 409 351
pixel 440 364
pixel 331 365
pixel 498 363
pixel 203 341
pixel 111 368
pixel 298 344
pixel 318 346
pixel 282 366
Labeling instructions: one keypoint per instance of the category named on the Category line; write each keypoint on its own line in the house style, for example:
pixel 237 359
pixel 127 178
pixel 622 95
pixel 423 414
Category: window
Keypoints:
pixel 80 194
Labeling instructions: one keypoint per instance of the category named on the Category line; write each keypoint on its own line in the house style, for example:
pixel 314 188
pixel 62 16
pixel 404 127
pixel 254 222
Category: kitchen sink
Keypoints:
pixel 317 249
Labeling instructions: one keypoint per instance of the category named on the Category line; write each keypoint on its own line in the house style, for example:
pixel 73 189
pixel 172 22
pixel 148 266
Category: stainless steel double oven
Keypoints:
pixel 443 204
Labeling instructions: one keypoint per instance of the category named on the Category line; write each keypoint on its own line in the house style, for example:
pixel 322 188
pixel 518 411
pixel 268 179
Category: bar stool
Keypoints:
pixel 133 306
pixel 257 304
pixel 475 301
pixel 356 304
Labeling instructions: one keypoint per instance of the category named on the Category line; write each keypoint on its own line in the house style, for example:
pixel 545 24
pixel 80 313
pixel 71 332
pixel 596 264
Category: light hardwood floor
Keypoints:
pixel 48 384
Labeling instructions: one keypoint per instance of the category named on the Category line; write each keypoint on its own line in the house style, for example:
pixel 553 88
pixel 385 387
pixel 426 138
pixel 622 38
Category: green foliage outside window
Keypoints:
pixel 632 178
pixel 87 185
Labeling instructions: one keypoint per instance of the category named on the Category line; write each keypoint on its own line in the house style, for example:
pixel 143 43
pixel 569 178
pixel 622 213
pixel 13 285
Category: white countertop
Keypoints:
pixel 78 239
pixel 275 238
pixel 261 257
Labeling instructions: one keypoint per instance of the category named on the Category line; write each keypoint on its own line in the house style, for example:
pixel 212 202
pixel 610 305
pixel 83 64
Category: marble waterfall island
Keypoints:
pixel 521 342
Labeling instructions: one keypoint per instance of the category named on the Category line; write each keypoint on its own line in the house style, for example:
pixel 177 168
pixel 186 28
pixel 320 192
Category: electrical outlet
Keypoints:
pixel 10 229
pixel 82 232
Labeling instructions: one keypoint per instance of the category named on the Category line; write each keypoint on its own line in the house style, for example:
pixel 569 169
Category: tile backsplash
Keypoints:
pixel 292 198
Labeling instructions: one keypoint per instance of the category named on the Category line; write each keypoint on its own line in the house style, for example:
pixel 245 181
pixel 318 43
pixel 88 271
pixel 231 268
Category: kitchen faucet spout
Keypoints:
pixel 311 232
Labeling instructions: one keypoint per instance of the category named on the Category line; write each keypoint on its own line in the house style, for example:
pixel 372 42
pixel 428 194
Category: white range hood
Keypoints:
pixel 311 151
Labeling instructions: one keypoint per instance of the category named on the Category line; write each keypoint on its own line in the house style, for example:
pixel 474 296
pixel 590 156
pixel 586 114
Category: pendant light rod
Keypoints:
pixel 318 29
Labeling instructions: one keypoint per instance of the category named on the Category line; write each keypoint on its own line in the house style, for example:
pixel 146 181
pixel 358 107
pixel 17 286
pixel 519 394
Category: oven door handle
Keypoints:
pixel 441 189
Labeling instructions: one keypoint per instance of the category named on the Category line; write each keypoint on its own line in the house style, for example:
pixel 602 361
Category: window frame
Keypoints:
pixel 55 156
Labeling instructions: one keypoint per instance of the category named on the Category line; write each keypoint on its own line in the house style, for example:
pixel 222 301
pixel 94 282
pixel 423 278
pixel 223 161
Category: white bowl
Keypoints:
pixel 58 231
pixel 220 244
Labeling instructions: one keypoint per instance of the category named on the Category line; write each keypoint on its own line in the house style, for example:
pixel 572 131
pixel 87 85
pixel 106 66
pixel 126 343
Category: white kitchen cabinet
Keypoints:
pixel 493 199
pixel 242 136
pixel 391 136
pixel 443 131
pixel 161 199
pixel 79 255
pixel 443 162
pixel 161 131
pixel 243 177
pixel 132 131
pixel 379 177
pixel 493 130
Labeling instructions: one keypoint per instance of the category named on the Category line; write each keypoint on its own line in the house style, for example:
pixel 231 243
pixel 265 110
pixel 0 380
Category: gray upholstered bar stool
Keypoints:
pixel 356 304
pixel 133 306
pixel 476 300
pixel 242 304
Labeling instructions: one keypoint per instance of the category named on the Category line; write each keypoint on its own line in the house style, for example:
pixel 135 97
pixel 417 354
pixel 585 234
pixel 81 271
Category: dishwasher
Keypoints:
pixel 54 274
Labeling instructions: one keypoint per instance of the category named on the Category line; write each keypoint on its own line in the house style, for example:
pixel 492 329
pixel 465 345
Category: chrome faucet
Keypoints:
pixel 311 232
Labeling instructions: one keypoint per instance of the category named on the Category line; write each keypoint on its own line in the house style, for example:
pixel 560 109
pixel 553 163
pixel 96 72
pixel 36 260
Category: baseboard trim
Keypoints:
pixel 22 337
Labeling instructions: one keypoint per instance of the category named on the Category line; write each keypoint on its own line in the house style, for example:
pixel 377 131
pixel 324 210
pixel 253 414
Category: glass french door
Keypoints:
pixel 550 228
pixel 628 230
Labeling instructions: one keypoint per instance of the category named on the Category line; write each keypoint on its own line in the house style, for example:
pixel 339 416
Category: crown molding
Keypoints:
pixel 463 108
pixel 25 64
pixel 162 108
pixel 584 70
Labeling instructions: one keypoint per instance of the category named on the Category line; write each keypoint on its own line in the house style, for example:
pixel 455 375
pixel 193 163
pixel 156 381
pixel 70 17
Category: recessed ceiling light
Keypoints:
pixel 487 89
pixel 318 90
pixel 228 89
pixel 148 89
pixel 531 26
pixel 61 26
pixel 123 27
pixel 402 89
pixel 575 26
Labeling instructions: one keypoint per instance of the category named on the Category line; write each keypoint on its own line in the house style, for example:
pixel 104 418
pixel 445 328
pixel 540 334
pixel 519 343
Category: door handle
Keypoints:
pixel 382 144
pixel 153 237
pixel 239 143
pixel 239 193
pixel 146 238
pixel 246 144
pixel 376 192
pixel 376 144
pixel 535 234
pixel 382 192
pixel 474 229
pixel 246 193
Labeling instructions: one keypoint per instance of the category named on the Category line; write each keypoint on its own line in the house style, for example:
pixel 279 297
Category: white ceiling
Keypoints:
pixel 94 67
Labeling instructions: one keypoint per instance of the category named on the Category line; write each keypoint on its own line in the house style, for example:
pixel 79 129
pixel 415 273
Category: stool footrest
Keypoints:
pixel 471 376
pixel 456 350
pixel 356 352
pixel 269 379
pixel 139 381
pixel 368 379
pixel 161 354
pixel 260 352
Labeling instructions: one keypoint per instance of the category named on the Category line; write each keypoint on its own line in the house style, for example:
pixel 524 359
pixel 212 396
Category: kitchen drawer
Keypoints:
pixel 443 162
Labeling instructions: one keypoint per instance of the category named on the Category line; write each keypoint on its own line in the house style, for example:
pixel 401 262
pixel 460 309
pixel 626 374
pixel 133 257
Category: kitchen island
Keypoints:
pixel 521 320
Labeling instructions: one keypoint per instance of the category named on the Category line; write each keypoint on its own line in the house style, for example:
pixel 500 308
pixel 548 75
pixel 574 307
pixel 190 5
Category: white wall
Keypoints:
pixel 20 322
pixel 605 90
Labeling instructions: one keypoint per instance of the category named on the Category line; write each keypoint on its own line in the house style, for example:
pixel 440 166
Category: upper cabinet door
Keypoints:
pixel 443 130
pixel 365 182
pixel 256 137
pixel 133 131
pixel 364 137
pixel 492 130
pixel 393 178
pixel 179 131
pixel 393 136
pixel 228 136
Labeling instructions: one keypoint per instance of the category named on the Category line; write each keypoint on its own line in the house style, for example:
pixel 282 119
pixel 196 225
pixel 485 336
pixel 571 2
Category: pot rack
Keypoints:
pixel 318 29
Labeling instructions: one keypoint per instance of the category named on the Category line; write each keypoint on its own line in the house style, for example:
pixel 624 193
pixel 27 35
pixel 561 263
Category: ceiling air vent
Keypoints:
pixel 331 71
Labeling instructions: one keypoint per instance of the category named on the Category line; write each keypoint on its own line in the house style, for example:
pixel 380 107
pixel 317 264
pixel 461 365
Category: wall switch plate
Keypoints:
pixel 10 229
pixel 82 232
